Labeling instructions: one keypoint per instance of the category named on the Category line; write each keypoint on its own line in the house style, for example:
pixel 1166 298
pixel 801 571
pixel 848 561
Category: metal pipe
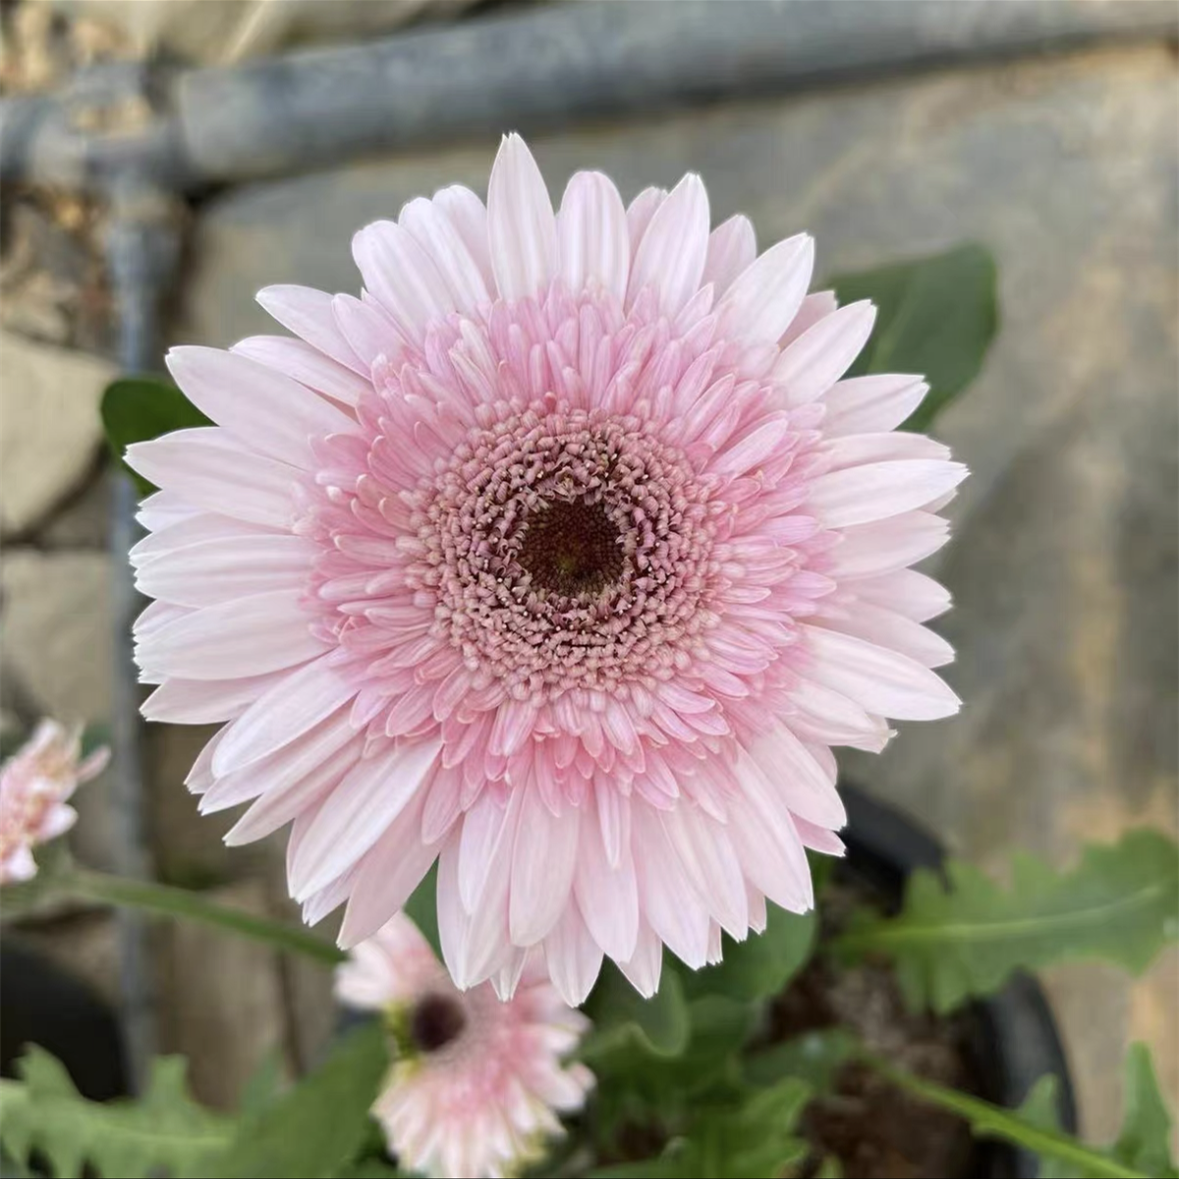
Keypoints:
pixel 142 250
pixel 537 68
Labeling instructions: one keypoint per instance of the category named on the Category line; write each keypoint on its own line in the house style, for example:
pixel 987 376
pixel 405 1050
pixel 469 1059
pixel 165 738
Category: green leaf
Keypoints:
pixel 1120 903
pixel 165 1129
pixel 814 1057
pixel 754 1139
pixel 1145 1138
pixel 621 1015
pixel 762 964
pixel 1144 1143
pixel 935 316
pixel 320 1125
pixel 137 409
pixel 422 908
pixel 263 1085
pixel 832 1168
pixel 1140 1152
pixel 370 1169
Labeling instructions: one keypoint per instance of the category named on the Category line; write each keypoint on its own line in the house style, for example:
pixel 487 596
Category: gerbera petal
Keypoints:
pixel 403 276
pixel 308 313
pixel 883 681
pixel 521 227
pixel 305 364
pixel 812 363
pixel 876 491
pixel 670 257
pixel 356 813
pixel 593 242
pixel 732 247
pixel 766 296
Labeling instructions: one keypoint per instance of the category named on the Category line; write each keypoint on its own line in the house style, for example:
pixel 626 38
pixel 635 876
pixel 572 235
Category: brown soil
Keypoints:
pixel 875 1130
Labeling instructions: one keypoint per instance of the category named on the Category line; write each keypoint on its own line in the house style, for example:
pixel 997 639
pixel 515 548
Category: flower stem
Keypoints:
pixel 163 900
pixel 994 1121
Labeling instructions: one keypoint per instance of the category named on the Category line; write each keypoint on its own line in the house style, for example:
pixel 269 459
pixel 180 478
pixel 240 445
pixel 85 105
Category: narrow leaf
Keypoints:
pixel 137 409
pixel 1034 1127
pixel 935 316
pixel 1120 904
pixel 165 1129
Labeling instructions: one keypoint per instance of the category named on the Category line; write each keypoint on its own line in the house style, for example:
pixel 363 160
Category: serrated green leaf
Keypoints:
pixel 1141 1152
pixel 165 1129
pixel 935 316
pixel 320 1125
pixel 1145 1138
pixel 1120 904
pixel 660 1025
pixel 751 1138
pixel 137 409
pixel 422 908
pixel 762 964
pixel 1144 1143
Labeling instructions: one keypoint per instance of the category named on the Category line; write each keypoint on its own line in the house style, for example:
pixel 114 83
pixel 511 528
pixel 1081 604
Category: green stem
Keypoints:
pixel 163 900
pixel 989 1119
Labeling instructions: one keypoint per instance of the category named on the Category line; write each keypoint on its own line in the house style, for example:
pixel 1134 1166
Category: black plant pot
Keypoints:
pixel 42 1004
pixel 1015 1040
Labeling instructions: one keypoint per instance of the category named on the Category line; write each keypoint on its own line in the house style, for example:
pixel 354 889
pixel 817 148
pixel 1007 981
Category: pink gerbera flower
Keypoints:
pixel 562 556
pixel 35 784
pixel 475 1082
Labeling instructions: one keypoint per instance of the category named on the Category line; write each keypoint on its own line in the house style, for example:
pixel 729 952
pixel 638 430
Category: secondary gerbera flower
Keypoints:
pixel 475 1082
pixel 34 786
pixel 562 556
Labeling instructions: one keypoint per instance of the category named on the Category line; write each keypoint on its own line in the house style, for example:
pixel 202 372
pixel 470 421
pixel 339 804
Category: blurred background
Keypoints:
pixel 163 159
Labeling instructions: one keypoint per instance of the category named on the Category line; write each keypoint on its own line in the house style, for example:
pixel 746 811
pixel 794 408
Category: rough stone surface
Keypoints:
pixel 221 999
pixel 186 849
pixel 49 426
pixel 58 634
pixel 84 942
pixel 1065 556
pixel 84 521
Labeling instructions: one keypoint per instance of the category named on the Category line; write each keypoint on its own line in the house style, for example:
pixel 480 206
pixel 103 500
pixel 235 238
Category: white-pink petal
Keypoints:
pixel 521 227
pixel 861 405
pixel 357 812
pixel 884 682
pixel 212 471
pixel 670 258
pixel 766 296
pixel 308 313
pixel 403 277
pixel 732 247
pixel 543 862
pixel 813 362
pixel 240 637
pixel 306 364
pixel 876 491
pixel 592 236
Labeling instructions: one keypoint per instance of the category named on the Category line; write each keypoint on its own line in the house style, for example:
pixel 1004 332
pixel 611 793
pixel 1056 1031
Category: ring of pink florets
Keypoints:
pixel 477 523
pixel 443 582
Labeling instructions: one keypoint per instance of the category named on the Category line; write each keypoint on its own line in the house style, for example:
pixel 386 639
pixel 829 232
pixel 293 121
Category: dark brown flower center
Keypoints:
pixel 571 548
pixel 435 1022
